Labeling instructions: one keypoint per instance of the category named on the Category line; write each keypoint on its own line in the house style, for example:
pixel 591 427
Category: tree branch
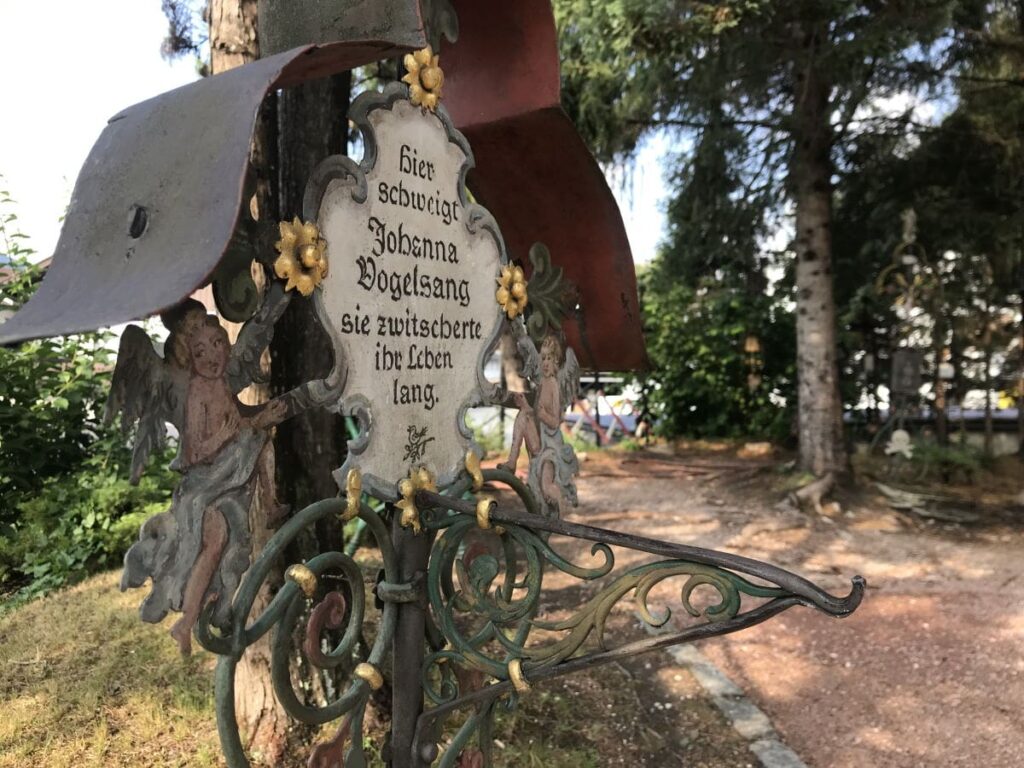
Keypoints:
pixel 702 125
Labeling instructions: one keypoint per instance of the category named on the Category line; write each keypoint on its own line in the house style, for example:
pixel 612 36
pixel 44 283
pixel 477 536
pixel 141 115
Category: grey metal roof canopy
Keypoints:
pixel 157 208
pixel 158 199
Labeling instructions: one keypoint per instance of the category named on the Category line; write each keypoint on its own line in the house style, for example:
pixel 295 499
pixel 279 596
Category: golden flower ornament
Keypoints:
pixel 425 78
pixel 511 294
pixel 303 259
pixel 419 479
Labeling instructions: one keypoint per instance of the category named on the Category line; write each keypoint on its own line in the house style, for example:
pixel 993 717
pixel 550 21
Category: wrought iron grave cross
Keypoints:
pixel 413 282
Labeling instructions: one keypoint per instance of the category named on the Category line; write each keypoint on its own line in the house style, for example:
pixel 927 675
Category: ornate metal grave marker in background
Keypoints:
pixel 413 284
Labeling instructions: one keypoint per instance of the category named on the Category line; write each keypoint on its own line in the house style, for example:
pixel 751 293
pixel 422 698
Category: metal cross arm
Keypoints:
pixel 476 595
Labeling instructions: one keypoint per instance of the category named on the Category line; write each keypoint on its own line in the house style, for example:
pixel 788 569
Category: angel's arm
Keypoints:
pixel 268 414
pixel 255 336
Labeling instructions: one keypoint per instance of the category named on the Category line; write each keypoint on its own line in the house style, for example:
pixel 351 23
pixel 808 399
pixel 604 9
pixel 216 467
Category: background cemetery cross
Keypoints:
pixel 392 243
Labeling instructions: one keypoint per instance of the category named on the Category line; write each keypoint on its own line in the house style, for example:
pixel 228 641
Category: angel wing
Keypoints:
pixel 146 389
pixel 569 379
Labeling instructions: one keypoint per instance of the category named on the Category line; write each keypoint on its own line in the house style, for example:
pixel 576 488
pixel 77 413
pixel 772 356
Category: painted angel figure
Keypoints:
pixel 553 464
pixel 196 552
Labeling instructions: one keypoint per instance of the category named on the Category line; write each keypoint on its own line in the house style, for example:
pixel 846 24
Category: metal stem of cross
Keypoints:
pixel 416 286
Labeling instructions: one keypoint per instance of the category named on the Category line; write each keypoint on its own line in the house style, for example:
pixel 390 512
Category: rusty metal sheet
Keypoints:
pixel 158 198
pixel 535 174
pixel 538 179
pixel 286 24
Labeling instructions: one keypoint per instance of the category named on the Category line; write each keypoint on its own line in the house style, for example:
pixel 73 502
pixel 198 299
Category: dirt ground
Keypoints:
pixel 930 669
pixel 928 672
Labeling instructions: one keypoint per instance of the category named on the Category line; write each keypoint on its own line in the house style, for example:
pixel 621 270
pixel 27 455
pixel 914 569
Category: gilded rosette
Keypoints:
pixel 419 479
pixel 424 77
pixel 511 294
pixel 303 256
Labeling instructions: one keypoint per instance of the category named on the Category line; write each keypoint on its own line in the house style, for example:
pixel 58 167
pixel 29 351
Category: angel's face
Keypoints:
pixel 548 361
pixel 209 349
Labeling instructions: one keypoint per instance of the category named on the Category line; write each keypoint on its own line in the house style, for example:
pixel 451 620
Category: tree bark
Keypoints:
pixel 1020 378
pixel 312 124
pixel 987 379
pixel 939 345
pixel 819 408
pixel 233 38
pixel 262 720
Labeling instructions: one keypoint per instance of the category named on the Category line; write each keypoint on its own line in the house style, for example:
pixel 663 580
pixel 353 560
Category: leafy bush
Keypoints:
pixel 948 462
pixel 695 338
pixel 66 508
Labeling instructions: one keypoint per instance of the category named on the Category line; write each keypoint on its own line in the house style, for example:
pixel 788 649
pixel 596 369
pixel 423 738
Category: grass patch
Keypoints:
pixel 83 682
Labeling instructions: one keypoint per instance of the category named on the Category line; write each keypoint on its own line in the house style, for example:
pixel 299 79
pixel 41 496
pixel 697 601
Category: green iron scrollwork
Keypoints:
pixel 552 298
pixel 329 609
pixel 484 587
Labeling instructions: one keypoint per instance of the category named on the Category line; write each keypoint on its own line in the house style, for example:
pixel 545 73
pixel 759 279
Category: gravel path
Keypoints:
pixel 928 672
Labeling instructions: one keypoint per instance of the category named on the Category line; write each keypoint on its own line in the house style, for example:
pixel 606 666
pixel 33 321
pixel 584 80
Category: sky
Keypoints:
pixel 62 83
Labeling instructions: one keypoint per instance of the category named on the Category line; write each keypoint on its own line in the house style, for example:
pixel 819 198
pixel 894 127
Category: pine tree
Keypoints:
pixel 800 79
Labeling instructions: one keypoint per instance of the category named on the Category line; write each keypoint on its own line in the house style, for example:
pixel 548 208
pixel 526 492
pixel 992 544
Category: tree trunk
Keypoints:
pixel 262 720
pixel 939 343
pixel 312 124
pixel 819 408
pixel 987 378
pixel 1020 378
pixel 233 39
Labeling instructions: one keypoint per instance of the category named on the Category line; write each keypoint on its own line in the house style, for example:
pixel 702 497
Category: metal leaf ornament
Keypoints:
pixel 551 296
pixel 303 259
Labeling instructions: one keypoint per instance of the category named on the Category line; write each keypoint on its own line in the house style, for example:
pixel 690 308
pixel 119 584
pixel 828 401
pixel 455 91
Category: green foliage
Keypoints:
pixel 489 435
pixel 630 445
pixel 729 82
pixel 79 523
pixel 66 508
pixel 634 66
pixel 952 462
pixel 705 293
pixel 696 340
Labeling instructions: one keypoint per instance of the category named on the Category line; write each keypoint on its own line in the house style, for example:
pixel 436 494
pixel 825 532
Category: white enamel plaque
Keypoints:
pixel 410 296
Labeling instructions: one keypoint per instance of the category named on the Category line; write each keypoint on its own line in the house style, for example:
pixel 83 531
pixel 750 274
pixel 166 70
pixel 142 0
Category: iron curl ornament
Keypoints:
pixel 482 595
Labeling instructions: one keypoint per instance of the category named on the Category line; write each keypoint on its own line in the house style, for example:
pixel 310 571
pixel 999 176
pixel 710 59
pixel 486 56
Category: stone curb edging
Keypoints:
pixel 744 716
